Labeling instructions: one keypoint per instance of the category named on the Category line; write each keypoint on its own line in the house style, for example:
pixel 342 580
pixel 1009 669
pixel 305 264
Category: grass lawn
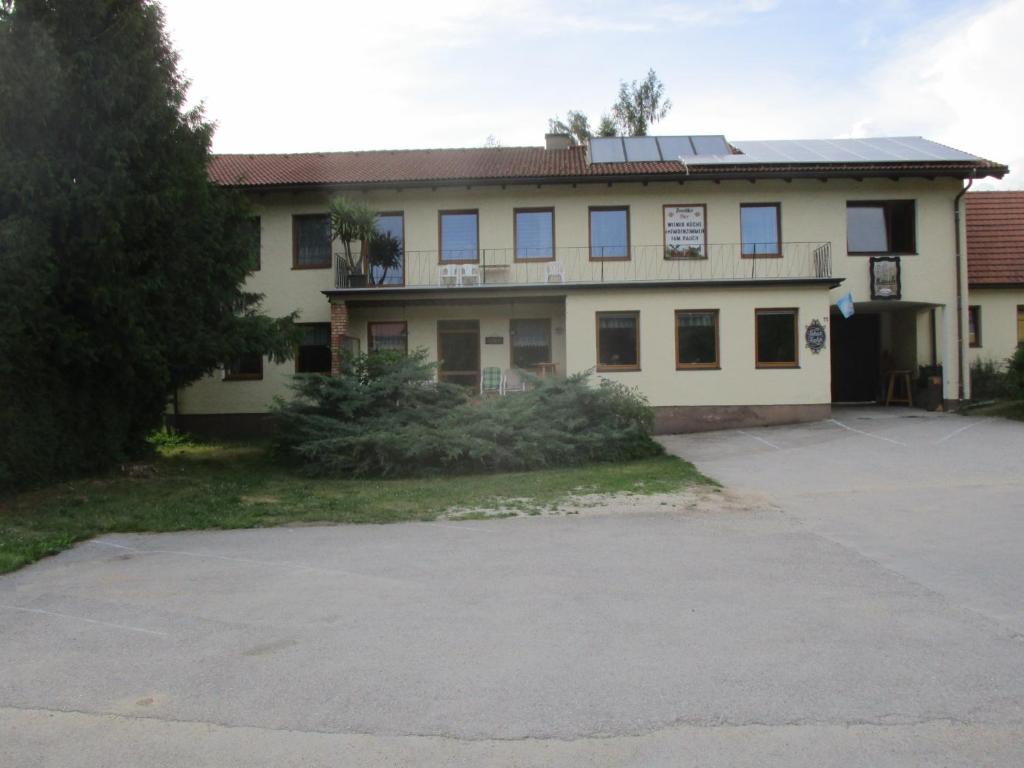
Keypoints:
pixel 1007 409
pixel 238 486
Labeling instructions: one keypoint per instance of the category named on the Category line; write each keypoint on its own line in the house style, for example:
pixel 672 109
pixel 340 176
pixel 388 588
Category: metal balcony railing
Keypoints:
pixel 638 263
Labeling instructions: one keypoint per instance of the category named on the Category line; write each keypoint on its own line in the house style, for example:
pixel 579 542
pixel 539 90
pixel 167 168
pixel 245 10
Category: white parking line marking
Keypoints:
pixel 956 432
pixel 867 434
pixel 760 440
pixel 82 618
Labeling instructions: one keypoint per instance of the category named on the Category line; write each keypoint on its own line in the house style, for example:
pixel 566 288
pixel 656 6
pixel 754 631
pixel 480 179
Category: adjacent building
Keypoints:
pixel 995 261
pixel 704 272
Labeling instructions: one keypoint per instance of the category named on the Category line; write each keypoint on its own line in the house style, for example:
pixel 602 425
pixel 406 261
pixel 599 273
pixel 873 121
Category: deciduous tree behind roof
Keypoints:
pixel 638 105
pixel 121 264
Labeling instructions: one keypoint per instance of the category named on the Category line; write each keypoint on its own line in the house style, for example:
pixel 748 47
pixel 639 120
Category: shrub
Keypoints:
pixel 989 381
pixel 386 416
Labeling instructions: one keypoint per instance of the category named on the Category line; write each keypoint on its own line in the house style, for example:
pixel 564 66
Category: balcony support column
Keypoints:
pixel 339 331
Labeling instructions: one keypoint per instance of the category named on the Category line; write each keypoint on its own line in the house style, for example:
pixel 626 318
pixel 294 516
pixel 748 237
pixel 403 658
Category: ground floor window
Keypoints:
pixel 458 352
pixel 314 353
pixel 775 338
pixel 618 341
pixel 388 336
pixel 245 368
pixel 974 325
pixel 697 338
pixel 530 341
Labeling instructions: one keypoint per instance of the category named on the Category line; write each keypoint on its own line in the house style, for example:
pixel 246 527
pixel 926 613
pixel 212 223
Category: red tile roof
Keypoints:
pixel 523 164
pixel 995 238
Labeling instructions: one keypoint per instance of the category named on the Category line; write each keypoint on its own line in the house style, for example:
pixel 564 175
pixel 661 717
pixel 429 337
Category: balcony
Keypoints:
pixel 497 267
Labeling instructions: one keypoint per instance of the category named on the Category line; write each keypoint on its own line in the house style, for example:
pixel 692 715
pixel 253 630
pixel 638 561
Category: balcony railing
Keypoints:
pixel 641 263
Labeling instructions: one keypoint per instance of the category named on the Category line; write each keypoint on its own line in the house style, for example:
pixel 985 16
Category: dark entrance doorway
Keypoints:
pixel 856 352
pixel 458 349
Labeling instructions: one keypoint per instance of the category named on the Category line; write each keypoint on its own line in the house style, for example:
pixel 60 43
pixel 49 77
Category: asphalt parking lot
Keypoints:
pixel 861 607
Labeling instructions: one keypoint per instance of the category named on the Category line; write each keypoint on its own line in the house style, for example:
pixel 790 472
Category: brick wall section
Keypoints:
pixel 339 329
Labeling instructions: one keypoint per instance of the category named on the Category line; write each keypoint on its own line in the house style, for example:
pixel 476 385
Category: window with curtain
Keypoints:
pixel 311 241
pixel 392 335
pixel 618 341
pixel 759 229
pixel 530 341
pixel 776 338
pixel 697 338
pixel 391 224
pixel 314 353
pixel 535 234
pixel 459 236
pixel 609 233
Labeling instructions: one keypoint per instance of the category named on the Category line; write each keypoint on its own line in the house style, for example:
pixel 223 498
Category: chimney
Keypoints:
pixel 557 141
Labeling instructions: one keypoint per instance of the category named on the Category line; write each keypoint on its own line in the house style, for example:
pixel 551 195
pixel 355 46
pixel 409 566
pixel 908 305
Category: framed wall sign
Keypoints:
pixel 685 231
pixel 815 336
pixel 885 277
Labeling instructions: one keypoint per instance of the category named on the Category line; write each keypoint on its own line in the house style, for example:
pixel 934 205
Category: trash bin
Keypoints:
pixel 929 387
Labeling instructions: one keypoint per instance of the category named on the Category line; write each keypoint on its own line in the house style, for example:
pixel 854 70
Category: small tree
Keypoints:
pixel 352 221
pixel 384 251
pixel 640 104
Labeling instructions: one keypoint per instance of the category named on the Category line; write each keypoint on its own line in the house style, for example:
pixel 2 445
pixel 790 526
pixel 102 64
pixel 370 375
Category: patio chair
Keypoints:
pixel 554 272
pixel 513 381
pixel 449 275
pixel 470 274
pixel 490 381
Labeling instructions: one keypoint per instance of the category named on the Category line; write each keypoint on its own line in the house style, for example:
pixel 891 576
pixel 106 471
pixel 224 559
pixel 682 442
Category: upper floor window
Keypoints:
pixel 314 353
pixel 609 233
pixel 311 241
pixel 760 229
pixel 459 235
pixel 253 241
pixel 880 226
pixel 534 234
pixel 392 271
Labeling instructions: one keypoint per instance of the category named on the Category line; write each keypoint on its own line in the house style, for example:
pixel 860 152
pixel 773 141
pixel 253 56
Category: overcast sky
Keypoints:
pixel 306 75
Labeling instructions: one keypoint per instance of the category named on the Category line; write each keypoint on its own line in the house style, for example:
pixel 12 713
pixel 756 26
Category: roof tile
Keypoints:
pixel 995 238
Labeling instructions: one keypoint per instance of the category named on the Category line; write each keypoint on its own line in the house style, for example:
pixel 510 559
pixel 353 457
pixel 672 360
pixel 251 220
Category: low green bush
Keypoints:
pixel 387 416
pixel 989 381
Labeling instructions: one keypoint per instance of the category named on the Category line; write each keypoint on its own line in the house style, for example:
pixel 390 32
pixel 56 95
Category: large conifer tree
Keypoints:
pixel 121 265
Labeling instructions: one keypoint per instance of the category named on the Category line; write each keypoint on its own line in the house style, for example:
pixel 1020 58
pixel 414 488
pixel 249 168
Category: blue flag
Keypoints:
pixel 845 305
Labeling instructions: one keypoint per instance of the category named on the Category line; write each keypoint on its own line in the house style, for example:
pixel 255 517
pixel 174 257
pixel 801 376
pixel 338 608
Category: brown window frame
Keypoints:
pixel 717 364
pixel 515 235
pixel 369 334
pixel 884 204
pixel 229 376
pixel 1020 323
pixel 778 230
pixel 440 235
pixel 298 347
pixel 795 311
pixel 511 337
pixel 295 241
pixel 601 368
pixel 590 232
pixel 364 250
pixel 974 318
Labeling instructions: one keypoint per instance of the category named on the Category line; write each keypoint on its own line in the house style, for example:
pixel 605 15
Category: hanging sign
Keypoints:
pixel 815 336
pixel 685 232
pixel 885 277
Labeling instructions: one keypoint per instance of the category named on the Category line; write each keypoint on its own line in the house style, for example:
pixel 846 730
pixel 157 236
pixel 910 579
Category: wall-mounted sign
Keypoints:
pixel 885 277
pixel 815 336
pixel 494 339
pixel 685 232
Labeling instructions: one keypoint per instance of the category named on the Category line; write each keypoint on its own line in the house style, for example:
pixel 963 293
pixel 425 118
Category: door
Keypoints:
pixel 856 349
pixel 458 351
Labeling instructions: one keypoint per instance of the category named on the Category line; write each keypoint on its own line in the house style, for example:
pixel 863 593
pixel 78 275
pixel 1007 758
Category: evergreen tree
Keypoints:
pixel 121 264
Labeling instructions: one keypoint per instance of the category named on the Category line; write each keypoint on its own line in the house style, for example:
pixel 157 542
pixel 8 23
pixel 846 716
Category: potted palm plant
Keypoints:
pixel 352 221
pixel 384 253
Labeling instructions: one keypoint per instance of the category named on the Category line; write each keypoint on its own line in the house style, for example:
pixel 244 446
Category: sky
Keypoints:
pixel 309 75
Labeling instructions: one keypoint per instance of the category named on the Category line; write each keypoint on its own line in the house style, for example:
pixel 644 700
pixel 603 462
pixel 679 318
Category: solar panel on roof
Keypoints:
pixel 674 147
pixel 710 145
pixel 641 149
pixel 608 150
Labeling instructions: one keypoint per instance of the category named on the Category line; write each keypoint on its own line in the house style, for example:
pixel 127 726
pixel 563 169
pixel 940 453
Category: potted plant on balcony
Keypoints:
pixel 352 221
pixel 384 253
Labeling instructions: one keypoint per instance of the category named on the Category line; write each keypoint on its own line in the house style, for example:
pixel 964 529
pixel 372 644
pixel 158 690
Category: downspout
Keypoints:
pixel 960 292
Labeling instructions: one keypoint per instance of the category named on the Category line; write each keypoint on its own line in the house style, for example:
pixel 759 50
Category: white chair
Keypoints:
pixel 470 274
pixel 553 272
pixel 449 275
pixel 512 381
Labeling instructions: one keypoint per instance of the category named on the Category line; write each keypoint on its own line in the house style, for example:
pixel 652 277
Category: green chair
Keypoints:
pixel 490 381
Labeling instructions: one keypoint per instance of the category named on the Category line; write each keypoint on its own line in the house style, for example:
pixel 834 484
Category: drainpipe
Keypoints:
pixel 960 292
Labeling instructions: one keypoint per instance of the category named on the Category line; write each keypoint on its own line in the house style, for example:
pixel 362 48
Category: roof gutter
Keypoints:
pixel 960 291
